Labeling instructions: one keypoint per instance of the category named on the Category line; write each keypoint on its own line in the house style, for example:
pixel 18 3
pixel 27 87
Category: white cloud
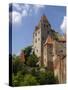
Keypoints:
pixel 26 7
pixel 63 25
pixel 17 6
pixel 16 17
pixel 23 10
pixel 24 13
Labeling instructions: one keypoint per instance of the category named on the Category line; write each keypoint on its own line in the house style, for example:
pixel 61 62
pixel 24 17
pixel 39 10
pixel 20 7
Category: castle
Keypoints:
pixel 50 48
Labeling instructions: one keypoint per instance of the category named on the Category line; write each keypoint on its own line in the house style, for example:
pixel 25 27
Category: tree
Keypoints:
pixel 32 60
pixel 27 50
pixel 46 78
pixel 17 79
pixel 29 80
pixel 16 64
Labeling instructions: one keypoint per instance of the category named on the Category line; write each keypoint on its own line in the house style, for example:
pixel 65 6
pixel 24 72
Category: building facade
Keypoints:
pixel 50 48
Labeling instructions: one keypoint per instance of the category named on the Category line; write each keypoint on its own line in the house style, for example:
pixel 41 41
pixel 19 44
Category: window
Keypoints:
pixel 47 26
pixel 48 32
pixel 35 34
pixel 38 39
pixel 38 32
pixel 37 50
pixel 35 40
pixel 44 25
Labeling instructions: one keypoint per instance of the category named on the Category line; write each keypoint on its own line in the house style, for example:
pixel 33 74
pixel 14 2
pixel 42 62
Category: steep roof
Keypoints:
pixel 49 40
pixel 43 17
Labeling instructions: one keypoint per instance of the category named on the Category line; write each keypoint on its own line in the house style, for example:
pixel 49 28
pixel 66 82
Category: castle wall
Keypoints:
pixel 45 56
pixel 50 57
pixel 59 60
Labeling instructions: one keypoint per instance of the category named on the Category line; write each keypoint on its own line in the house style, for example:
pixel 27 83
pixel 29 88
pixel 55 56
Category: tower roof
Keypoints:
pixel 49 40
pixel 44 19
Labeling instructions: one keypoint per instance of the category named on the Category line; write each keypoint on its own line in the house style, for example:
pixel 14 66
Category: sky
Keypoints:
pixel 24 18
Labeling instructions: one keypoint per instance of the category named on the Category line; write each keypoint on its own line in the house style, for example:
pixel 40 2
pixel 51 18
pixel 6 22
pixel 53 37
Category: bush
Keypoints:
pixel 46 78
pixel 29 80
pixel 32 60
pixel 17 79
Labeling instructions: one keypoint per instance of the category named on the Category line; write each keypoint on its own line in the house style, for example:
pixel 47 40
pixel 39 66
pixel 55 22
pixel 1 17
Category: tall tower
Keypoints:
pixel 40 34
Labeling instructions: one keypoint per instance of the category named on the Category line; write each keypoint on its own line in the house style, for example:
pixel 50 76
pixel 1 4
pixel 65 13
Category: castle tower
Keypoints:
pixel 48 53
pixel 39 37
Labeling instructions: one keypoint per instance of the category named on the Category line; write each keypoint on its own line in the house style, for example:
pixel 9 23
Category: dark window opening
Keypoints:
pixel 38 39
pixel 35 40
pixel 37 50
pixel 35 34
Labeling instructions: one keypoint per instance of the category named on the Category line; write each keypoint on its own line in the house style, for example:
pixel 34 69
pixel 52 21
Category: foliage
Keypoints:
pixel 32 60
pixel 17 65
pixel 27 50
pixel 29 80
pixel 28 73
pixel 46 78
pixel 17 79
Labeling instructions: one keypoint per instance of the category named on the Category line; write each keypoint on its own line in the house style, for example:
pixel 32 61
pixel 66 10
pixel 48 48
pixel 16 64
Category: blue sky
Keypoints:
pixel 25 17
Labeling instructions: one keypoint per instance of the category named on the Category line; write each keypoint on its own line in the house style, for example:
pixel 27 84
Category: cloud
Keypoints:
pixel 24 13
pixel 22 10
pixel 19 11
pixel 63 25
pixel 15 17
pixel 17 6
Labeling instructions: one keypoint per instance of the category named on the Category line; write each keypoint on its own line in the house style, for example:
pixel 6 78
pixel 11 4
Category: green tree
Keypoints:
pixel 27 50
pixel 17 65
pixel 32 60
pixel 29 80
pixel 46 78
pixel 17 79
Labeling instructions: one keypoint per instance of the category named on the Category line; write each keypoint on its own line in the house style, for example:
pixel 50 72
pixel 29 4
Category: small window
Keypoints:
pixel 44 25
pixel 38 32
pixel 47 26
pixel 37 50
pixel 48 32
pixel 61 50
pixel 35 34
pixel 35 40
pixel 38 39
